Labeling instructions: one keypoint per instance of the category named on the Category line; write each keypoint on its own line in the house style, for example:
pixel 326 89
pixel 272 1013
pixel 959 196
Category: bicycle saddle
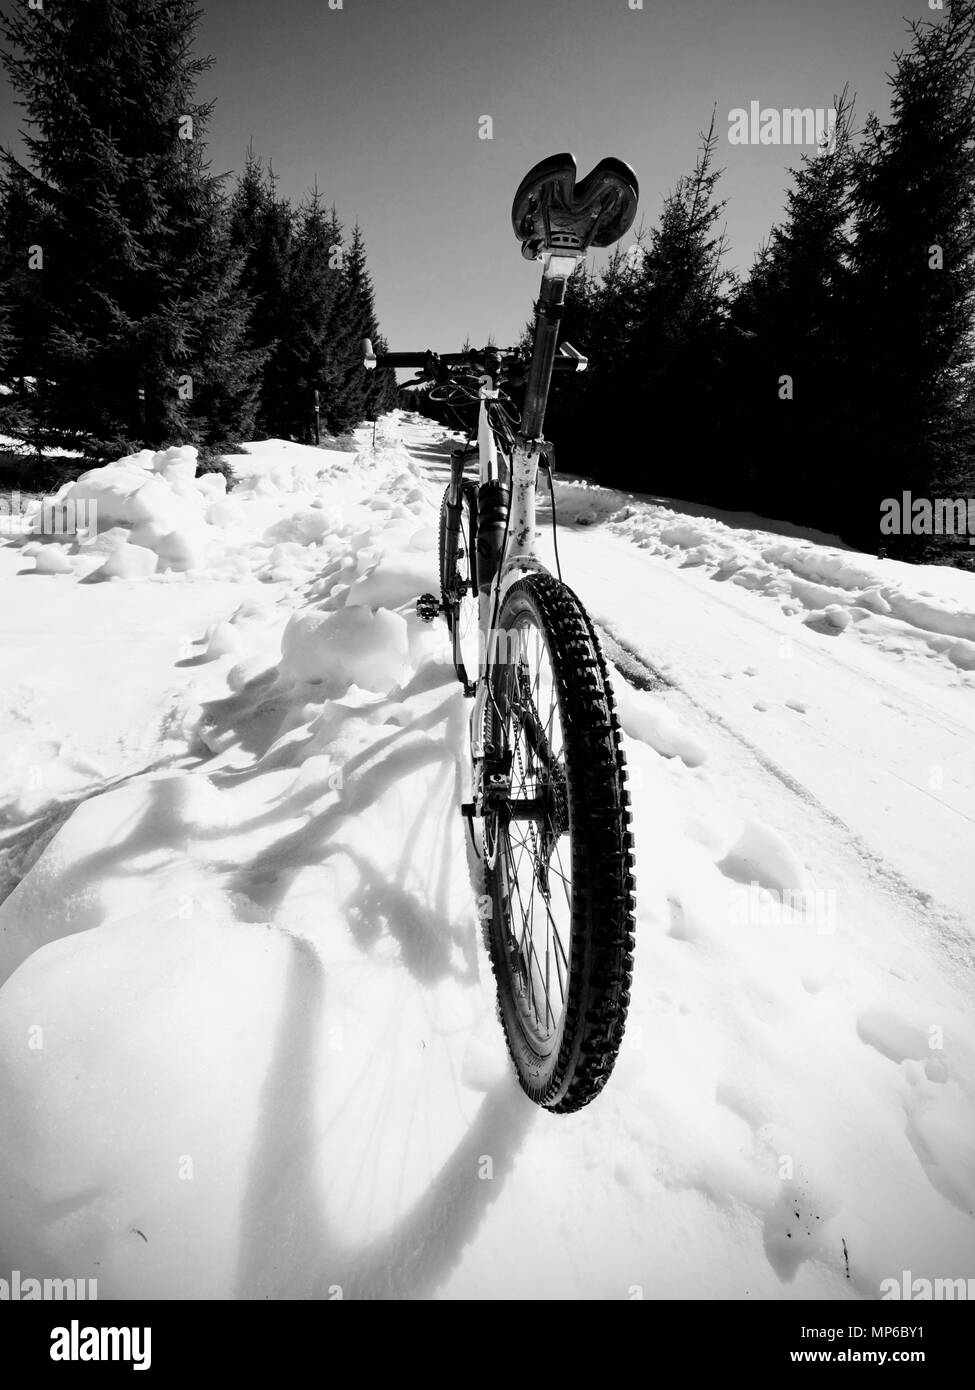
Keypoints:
pixel 552 212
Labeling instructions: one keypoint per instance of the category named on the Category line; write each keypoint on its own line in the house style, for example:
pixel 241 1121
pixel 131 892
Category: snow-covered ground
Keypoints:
pixel 247 1034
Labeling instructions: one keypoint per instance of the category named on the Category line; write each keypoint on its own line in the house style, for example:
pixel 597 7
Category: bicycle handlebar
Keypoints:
pixel 413 359
pixel 567 359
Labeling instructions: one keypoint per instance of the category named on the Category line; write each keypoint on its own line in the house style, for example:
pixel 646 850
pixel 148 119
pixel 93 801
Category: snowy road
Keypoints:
pixel 247 1038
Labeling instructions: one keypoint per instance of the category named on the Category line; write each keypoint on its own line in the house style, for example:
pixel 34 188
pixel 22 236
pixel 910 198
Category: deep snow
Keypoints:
pixel 248 1035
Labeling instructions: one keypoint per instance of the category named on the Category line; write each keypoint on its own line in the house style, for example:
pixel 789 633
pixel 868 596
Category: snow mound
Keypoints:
pixel 153 518
pixel 829 589
pixel 350 646
pixel 648 719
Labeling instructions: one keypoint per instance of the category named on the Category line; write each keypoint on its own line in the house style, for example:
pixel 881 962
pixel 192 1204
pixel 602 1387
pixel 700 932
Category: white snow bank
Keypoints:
pixel 812 580
pixel 154 518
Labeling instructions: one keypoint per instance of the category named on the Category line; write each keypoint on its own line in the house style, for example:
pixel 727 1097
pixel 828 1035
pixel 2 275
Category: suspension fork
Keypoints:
pixel 493 499
pixel 454 493
pixel 492 521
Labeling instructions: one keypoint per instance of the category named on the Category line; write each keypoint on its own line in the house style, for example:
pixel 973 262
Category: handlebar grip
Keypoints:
pixel 402 359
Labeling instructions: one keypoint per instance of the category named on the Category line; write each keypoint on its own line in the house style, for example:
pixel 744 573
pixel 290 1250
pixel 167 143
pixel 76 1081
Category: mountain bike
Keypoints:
pixel 548 814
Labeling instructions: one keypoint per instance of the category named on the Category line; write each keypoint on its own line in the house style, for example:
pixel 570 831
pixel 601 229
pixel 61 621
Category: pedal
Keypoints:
pixel 427 607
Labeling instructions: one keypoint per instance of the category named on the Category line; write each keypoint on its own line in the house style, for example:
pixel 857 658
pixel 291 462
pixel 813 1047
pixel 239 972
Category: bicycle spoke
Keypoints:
pixel 525 702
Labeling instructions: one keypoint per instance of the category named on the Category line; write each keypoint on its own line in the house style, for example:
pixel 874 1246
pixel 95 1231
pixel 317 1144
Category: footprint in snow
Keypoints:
pixel 940 1117
pixel 892 1036
pixel 795 1229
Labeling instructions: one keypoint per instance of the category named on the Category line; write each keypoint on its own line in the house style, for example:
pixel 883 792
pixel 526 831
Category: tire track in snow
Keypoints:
pixel 945 926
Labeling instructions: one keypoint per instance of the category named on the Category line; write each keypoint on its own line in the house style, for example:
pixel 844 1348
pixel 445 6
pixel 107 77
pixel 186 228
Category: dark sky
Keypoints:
pixel 380 102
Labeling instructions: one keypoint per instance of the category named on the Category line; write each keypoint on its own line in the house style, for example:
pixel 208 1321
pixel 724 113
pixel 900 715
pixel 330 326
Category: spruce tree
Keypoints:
pixel 672 359
pixel 307 357
pixel 136 337
pixel 23 214
pixel 914 281
pixel 384 393
pixel 790 395
pixel 358 394
pixel 6 350
pixel 227 382
pixel 261 231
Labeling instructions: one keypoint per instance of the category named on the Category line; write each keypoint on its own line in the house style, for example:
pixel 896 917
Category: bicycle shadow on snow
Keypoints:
pixel 305 1194
pixel 319 1166
pixel 290 1247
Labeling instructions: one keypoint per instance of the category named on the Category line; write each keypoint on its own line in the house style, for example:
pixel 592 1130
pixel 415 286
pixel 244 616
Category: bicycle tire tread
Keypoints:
pixel 602 918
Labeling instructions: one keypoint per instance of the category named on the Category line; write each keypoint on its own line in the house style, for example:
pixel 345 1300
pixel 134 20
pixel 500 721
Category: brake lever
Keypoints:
pixel 434 369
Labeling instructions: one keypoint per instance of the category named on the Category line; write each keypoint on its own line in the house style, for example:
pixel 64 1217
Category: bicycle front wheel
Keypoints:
pixel 557 860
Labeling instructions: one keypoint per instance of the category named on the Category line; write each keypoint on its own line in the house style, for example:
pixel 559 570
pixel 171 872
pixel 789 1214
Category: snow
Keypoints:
pixel 920 603
pixel 645 718
pixel 248 1044
pixel 352 646
pixel 17 446
pixel 149 515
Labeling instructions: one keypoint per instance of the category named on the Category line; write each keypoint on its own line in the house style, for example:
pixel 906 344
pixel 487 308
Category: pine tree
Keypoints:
pixel 671 358
pixel 384 394
pixel 307 359
pixel 23 215
pixel 134 306
pixel 790 321
pixel 261 231
pixel 8 414
pixel 914 279
pixel 358 394
pixel 227 383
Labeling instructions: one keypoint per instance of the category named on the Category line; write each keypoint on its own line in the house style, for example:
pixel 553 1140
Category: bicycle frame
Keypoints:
pixel 517 553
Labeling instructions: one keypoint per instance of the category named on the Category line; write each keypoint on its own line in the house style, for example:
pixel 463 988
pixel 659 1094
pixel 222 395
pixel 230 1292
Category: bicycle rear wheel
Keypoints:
pixel 557 865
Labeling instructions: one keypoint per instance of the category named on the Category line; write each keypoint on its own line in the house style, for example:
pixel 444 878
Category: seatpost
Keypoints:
pixel 548 317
